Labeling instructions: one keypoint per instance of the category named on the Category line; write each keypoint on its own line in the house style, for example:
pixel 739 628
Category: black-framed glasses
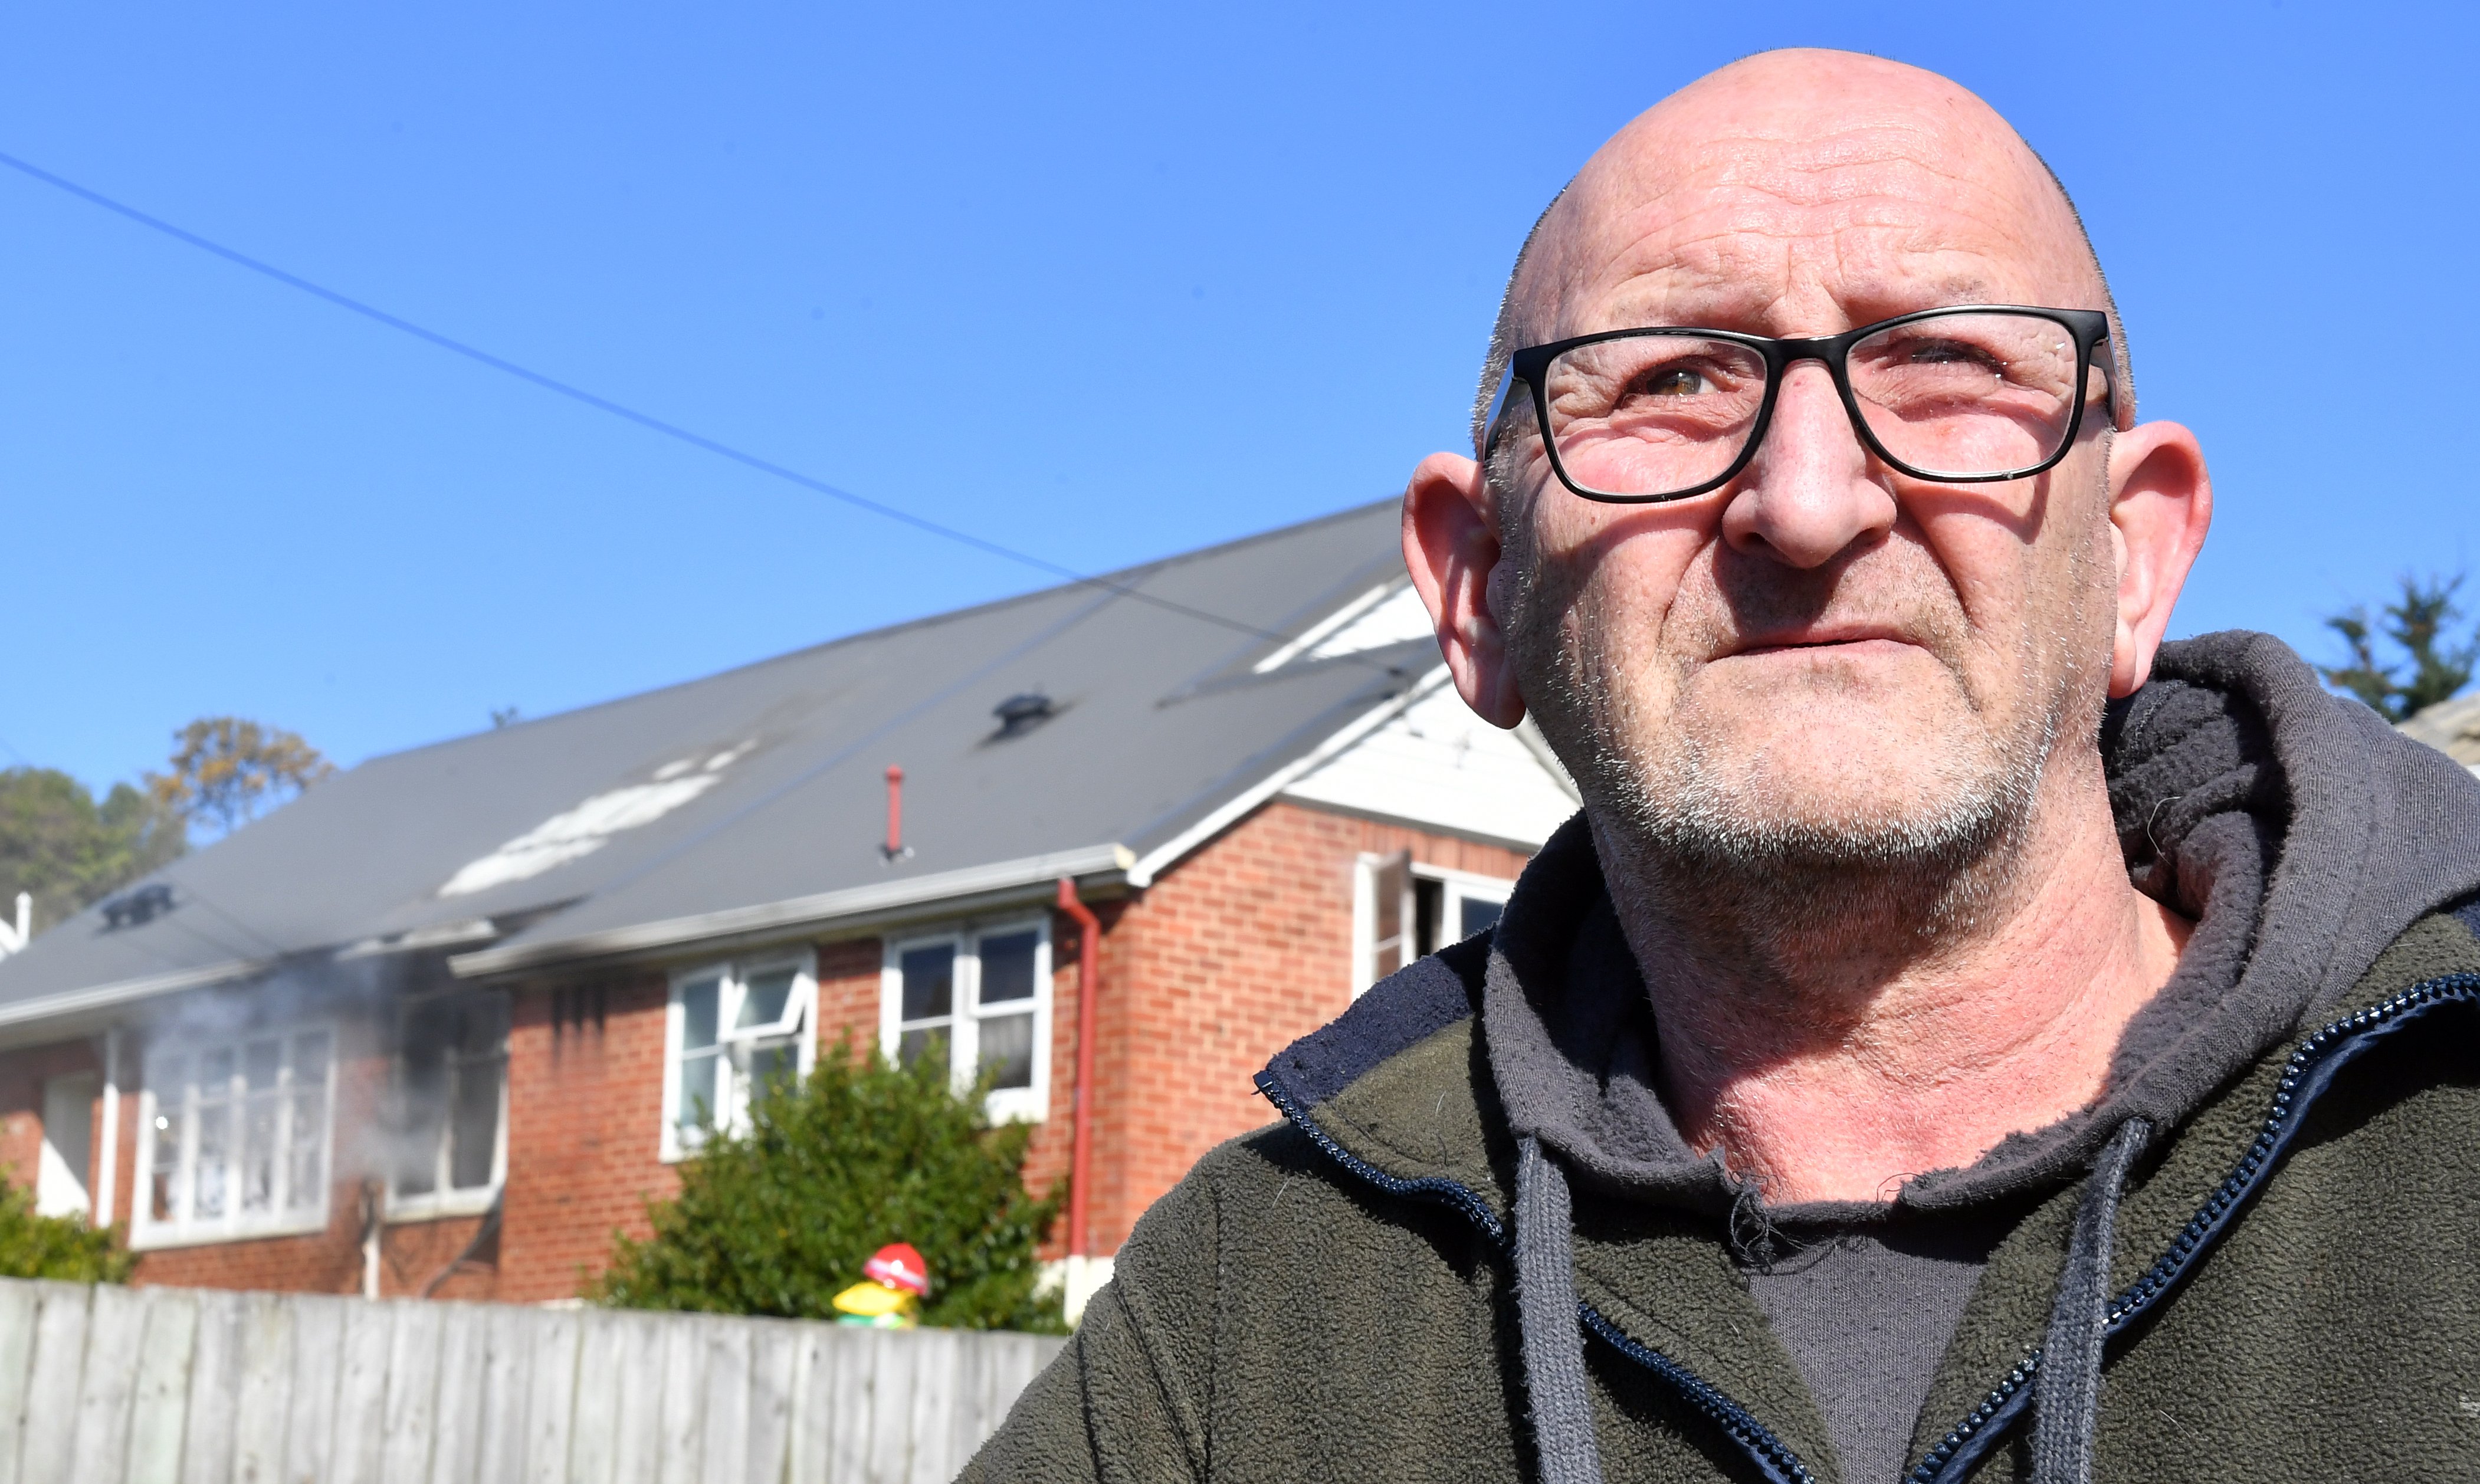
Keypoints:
pixel 1963 395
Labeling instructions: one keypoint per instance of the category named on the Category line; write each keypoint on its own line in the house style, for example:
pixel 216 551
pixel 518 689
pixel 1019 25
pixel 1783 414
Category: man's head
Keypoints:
pixel 1823 664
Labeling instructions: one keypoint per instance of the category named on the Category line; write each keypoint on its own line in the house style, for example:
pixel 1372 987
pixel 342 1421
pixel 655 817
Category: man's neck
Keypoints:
pixel 1831 1060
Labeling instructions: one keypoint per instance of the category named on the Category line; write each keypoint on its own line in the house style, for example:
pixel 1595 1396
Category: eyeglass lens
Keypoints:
pixel 1956 395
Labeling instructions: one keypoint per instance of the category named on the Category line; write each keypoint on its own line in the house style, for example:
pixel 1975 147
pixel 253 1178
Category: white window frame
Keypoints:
pixel 64 1164
pixel 1461 886
pixel 186 1229
pixel 800 1019
pixel 1004 1105
pixel 442 1201
pixel 1458 888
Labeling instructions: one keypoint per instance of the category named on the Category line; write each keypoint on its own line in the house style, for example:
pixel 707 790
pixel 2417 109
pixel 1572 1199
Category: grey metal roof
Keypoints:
pixel 756 798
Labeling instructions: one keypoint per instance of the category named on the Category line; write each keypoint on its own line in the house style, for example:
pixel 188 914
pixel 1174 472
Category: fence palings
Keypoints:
pixel 104 1385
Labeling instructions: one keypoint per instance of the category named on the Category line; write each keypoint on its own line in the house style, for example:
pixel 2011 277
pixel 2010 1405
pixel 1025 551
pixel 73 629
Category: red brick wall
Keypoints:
pixel 848 991
pixel 1236 951
pixel 585 1113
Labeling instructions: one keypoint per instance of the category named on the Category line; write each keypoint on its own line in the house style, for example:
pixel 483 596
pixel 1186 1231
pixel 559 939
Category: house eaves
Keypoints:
pixel 973 889
pixel 129 992
pixel 52 1012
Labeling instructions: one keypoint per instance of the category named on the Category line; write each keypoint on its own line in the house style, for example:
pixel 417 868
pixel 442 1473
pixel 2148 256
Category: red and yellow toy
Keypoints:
pixel 889 1296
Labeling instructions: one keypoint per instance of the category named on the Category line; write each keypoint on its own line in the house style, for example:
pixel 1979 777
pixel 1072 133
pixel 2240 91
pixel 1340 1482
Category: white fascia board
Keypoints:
pixel 1320 631
pixel 1169 853
pixel 809 912
pixel 129 992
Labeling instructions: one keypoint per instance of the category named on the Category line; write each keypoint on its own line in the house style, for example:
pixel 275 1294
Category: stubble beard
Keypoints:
pixel 1736 861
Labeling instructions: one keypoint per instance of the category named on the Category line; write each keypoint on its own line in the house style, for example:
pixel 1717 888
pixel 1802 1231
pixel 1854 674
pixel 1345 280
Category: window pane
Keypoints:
pixel 1429 904
pixel 697 1088
pixel 215 1154
pixel 1007 968
pixel 1480 916
pixel 309 1151
pixel 258 1153
pixel 929 982
pixel 310 1058
pixel 474 1132
pixel 482 1025
pixel 422 1099
pixel 428 1027
pixel 763 1002
pixel 214 1073
pixel 773 1065
pixel 913 1045
pixel 698 1011
pixel 259 1063
pixel 1007 1047
pixel 164 1182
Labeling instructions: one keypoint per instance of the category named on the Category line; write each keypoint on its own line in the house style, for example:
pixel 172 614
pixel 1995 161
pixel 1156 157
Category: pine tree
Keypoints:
pixel 2415 623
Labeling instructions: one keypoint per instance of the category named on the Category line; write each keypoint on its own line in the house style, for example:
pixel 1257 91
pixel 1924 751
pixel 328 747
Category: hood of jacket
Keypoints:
pixel 2299 831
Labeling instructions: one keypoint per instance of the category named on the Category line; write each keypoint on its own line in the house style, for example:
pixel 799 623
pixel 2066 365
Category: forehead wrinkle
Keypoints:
pixel 1869 262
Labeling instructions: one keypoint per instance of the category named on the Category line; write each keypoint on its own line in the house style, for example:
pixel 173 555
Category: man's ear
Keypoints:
pixel 1451 546
pixel 2160 505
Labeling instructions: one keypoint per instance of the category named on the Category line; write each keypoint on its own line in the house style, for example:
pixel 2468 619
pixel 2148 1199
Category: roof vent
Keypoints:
pixel 137 909
pixel 1022 712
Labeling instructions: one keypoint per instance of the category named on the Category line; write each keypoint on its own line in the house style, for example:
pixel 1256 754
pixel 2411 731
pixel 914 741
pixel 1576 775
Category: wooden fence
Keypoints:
pixel 173 1386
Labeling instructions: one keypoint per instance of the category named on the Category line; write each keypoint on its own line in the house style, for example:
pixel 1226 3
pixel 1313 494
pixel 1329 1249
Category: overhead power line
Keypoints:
pixel 642 420
pixel 627 414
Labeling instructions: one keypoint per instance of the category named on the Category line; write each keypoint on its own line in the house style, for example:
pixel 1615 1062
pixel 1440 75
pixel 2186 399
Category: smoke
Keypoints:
pixel 394 1020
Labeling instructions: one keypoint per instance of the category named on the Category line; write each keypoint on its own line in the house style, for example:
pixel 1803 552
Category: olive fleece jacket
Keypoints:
pixel 2297 1273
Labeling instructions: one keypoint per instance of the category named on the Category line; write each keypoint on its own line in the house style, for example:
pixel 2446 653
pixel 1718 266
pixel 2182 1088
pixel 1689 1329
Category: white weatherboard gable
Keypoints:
pixel 581 831
pixel 1389 613
pixel 1439 765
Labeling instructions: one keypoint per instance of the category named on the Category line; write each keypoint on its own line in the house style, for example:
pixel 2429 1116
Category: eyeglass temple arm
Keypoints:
pixel 1507 384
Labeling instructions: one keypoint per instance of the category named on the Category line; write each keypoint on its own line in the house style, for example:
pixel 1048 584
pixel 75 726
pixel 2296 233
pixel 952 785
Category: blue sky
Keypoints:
pixel 1101 284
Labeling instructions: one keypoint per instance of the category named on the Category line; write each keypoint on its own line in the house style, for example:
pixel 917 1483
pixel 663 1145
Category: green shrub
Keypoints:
pixel 779 1219
pixel 61 1247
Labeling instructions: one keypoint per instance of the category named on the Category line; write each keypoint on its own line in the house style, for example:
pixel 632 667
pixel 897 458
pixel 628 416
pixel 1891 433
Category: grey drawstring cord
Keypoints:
pixel 1548 1323
pixel 2066 1396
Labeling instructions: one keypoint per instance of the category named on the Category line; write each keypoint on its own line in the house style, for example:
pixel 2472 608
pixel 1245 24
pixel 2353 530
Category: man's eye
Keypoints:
pixel 1672 381
pixel 1944 352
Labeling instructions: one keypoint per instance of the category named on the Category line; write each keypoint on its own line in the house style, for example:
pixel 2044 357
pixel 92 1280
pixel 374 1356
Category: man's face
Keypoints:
pixel 1823 662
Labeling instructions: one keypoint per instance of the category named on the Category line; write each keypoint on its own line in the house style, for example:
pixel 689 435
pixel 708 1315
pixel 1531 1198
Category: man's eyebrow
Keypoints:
pixel 1683 297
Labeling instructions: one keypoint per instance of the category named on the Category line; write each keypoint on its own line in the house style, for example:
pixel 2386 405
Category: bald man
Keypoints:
pixel 1962 1036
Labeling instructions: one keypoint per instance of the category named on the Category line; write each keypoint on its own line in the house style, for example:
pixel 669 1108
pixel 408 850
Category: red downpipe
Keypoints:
pixel 1089 975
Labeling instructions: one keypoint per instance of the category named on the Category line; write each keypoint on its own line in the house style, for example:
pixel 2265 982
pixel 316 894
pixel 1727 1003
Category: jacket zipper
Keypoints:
pixel 2309 1071
pixel 1766 1451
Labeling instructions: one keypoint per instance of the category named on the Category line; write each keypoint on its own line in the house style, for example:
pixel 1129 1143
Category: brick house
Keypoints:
pixel 449 1020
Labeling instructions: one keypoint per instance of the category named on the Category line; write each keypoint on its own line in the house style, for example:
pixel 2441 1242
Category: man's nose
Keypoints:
pixel 1806 495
